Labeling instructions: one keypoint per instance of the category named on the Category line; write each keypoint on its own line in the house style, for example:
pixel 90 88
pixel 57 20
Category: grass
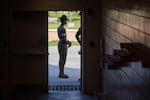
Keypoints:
pixel 55 42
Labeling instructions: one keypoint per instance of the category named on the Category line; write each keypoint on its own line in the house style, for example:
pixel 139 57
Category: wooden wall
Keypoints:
pixel 127 22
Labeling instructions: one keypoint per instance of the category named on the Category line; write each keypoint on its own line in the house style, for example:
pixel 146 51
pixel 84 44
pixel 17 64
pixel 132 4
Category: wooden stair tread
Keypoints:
pixel 138 50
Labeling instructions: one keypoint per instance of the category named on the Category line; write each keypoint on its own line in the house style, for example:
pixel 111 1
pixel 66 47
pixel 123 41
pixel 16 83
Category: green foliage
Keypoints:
pixel 75 18
pixel 58 14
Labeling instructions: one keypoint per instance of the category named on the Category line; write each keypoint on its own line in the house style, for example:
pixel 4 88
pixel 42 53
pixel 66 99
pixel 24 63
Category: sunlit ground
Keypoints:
pixel 72 66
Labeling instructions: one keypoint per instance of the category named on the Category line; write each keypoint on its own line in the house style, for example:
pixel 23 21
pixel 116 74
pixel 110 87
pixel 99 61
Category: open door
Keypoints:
pixel 29 50
pixel 72 64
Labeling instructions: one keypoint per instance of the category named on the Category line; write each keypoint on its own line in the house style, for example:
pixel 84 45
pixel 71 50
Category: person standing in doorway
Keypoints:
pixel 78 36
pixel 63 45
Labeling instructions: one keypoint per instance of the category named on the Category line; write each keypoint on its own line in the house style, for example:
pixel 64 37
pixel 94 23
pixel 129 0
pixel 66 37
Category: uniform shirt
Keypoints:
pixel 62 34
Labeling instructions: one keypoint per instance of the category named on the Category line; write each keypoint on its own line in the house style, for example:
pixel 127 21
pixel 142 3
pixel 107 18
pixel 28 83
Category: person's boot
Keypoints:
pixel 62 75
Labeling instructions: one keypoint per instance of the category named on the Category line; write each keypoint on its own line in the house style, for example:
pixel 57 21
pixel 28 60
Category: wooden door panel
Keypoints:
pixel 29 48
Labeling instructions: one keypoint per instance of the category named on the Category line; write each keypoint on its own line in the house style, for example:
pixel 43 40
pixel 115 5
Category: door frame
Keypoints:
pixel 81 56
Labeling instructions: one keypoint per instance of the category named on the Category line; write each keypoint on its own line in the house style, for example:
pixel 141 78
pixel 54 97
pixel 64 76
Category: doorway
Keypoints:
pixel 73 61
pixel 29 57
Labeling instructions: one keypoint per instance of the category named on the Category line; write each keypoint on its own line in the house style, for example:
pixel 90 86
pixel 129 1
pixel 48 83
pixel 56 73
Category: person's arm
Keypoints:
pixel 68 43
pixel 78 36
